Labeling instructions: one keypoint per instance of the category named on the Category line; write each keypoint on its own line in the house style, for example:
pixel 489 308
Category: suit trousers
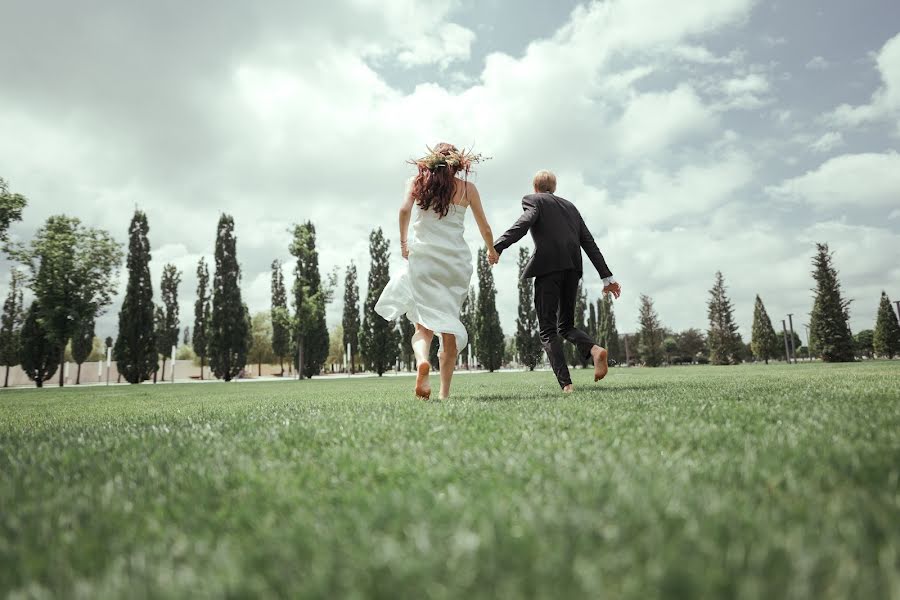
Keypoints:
pixel 555 295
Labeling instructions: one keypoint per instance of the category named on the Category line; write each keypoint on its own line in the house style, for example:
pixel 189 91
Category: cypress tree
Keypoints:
pixel 40 350
pixel 169 326
pixel 467 317
pixel 159 325
pixel 581 303
pixel 351 321
pixel 652 334
pixel 311 331
pixel 202 315
pixel 528 338
pixel 725 346
pixel 592 321
pixel 136 343
pixel 434 352
pixel 886 340
pixel 829 327
pixel 186 339
pixel 11 324
pixel 487 320
pixel 378 338
pixel 281 317
pixel 406 329
pixel 764 342
pixel 82 345
pixel 229 327
pixel 607 334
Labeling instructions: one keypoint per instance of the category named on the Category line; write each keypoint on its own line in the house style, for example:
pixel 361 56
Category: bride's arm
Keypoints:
pixel 405 214
pixel 483 226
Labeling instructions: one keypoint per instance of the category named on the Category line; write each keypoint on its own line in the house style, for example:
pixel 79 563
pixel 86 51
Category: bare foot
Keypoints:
pixel 423 385
pixel 568 389
pixel 601 363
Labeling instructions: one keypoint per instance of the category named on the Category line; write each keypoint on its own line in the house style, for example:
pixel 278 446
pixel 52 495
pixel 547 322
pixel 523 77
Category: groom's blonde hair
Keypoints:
pixel 545 181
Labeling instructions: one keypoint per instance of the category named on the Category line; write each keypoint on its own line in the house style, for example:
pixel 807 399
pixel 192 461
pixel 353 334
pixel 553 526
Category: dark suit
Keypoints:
pixel 559 235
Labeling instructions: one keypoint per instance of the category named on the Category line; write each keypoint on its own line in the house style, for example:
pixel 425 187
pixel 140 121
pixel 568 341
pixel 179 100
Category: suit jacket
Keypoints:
pixel 559 235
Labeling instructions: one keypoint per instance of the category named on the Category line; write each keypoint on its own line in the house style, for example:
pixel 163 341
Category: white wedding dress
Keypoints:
pixel 431 286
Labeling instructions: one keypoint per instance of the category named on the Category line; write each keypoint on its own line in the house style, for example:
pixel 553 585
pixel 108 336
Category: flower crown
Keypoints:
pixel 461 160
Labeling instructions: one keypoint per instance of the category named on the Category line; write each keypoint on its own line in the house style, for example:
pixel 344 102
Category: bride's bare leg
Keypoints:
pixel 421 345
pixel 448 363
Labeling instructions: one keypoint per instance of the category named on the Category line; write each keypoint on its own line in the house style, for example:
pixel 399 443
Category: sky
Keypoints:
pixel 694 136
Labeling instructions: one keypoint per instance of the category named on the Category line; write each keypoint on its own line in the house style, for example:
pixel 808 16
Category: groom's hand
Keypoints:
pixel 493 256
pixel 613 288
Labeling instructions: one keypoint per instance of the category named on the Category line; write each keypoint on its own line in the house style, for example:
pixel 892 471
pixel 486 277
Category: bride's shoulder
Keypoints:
pixel 466 187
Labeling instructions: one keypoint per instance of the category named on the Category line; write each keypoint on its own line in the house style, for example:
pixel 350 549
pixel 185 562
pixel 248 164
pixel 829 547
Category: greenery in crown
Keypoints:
pixel 460 160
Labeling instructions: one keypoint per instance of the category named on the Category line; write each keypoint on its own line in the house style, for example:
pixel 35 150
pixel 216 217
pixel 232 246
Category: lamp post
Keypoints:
pixel 627 352
pixel 808 343
pixel 793 350
pixel 787 351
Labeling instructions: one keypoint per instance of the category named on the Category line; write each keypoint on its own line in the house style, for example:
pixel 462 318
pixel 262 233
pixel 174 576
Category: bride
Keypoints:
pixel 431 287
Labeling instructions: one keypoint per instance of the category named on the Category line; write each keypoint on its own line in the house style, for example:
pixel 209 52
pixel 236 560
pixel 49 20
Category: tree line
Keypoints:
pixel 72 271
pixel 829 335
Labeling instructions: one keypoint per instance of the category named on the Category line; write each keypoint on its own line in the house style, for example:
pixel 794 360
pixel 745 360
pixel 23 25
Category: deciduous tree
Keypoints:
pixel 11 324
pixel 73 273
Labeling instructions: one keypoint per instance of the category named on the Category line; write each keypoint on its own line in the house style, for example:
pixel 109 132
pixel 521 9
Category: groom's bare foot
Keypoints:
pixel 601 362
pixel 423 385
pixel 568 389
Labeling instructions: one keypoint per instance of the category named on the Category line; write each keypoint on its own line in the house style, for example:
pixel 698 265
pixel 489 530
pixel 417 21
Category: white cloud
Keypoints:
pixel 702 55
pixel 653 122
pixel 885 102
pixel 450 43
pixel 828 142
pixel 849 182
pixel 746 92
pixel 751 84
pixel 782 116
pixel 818 63
pixel 276 133
pixel 691 194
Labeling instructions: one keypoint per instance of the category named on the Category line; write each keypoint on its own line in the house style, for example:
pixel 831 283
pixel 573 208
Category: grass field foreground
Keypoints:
pixel 696 482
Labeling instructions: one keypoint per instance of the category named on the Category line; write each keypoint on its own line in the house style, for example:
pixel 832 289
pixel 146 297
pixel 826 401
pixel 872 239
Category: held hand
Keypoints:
pixel 493 256
pixel 614 288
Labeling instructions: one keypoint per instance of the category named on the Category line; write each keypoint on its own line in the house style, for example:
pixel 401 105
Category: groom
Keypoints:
pixel 559 235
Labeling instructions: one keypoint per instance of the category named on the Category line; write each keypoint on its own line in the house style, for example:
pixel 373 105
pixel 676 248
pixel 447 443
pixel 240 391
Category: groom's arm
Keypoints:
pixel 520 227
pixel 593 252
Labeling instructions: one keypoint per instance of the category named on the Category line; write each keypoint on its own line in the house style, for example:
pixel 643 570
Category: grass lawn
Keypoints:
pixel 694 482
